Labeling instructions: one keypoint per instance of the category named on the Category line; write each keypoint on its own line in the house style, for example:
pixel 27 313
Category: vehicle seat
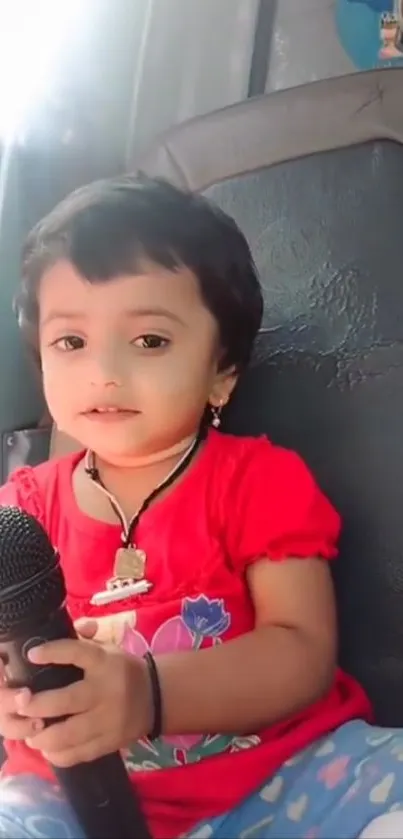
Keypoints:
pixel 313 175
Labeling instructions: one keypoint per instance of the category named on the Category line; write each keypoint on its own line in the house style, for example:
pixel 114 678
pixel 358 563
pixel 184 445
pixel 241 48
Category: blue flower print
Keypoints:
pixel 204 617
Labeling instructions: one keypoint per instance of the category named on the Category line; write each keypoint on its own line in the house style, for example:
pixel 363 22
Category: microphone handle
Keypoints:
pixel 103 799
pixel 100 792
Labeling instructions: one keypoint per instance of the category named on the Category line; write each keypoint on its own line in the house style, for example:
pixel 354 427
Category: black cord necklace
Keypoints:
pixel 130 561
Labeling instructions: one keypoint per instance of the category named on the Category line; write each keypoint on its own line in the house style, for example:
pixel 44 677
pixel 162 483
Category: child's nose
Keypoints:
pixel 105 370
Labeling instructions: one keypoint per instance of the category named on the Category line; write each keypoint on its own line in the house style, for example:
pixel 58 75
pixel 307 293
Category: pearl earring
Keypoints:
pixel 216 412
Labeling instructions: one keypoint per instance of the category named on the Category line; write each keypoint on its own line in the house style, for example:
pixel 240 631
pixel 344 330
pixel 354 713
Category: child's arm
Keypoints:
pixel 284 665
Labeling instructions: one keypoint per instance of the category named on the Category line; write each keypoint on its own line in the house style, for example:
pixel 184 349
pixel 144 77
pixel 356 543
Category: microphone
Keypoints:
pixel 32 612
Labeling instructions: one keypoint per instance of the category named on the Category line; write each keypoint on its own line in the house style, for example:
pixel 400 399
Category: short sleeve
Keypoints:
pixel 9 495
pixel 22 490
pixel 277 509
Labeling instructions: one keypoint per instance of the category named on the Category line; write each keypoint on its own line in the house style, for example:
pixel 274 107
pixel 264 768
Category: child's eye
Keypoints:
pixel 69 343
pixel 150 342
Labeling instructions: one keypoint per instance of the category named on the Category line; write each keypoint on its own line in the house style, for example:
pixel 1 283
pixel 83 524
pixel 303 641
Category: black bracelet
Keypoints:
pixel 156 697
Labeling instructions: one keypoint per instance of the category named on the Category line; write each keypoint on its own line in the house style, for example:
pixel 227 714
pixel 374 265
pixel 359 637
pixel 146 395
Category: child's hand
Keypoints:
pixel 111 705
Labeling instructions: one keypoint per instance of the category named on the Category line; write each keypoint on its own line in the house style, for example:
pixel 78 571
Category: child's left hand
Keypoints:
pixel 110 706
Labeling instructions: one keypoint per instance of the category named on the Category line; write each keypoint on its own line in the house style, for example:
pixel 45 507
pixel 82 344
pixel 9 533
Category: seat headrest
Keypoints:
pixel 277 127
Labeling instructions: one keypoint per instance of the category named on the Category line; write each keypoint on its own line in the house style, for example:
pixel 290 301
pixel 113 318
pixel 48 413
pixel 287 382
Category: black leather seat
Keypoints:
pixel 314 176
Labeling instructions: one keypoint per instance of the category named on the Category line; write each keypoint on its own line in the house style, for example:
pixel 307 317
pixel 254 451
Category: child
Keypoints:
pixel 195 562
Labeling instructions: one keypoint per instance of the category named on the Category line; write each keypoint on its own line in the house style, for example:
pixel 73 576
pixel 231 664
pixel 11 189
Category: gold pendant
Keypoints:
pixel 130 563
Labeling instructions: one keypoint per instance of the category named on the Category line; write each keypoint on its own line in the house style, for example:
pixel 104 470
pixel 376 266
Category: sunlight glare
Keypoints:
pixel 33 36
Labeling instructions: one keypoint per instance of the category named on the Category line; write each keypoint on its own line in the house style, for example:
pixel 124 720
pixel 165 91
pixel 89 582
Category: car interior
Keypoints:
pixel 312 176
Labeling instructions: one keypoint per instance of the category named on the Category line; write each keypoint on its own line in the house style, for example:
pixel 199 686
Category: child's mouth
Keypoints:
pixel 109 414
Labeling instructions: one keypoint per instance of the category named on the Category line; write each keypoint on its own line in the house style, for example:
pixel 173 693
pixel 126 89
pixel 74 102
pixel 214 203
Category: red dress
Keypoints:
pixel 242 499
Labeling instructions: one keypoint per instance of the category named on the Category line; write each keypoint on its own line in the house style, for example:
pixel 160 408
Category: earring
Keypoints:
pixel 216 414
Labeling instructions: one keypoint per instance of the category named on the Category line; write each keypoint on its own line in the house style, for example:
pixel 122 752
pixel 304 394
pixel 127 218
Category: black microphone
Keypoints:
pixel 32 612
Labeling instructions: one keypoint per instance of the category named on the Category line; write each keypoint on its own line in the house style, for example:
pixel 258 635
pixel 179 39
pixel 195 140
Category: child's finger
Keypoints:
pixel 12 701
pixel 74 732
pixel 82 654
pixel 86 627
pixel 60 702
pixel 13 727
pixel 3 673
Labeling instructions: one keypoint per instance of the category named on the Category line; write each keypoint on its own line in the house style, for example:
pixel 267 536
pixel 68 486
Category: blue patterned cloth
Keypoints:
pixel 334 788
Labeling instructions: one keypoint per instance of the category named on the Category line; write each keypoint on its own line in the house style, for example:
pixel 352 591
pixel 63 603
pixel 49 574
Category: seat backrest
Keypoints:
pixel 313 175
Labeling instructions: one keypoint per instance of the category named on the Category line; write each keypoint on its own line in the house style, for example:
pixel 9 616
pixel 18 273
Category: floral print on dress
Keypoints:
pixel 202 621
pixel 205 618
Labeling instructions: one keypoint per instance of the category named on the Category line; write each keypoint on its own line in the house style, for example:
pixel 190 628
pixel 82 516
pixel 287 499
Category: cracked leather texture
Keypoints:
pixel 327 378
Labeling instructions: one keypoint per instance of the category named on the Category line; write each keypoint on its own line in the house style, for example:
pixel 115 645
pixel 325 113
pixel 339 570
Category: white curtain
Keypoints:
pixel 195 56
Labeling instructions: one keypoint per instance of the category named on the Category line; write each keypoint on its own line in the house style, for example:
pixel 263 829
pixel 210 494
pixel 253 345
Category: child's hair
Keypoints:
pixel 111 227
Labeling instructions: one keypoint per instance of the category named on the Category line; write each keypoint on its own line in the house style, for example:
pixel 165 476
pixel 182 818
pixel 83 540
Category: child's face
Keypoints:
pixel 143 344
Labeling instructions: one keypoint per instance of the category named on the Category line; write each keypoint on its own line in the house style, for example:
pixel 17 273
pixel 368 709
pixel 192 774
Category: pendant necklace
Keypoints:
pixel 130 561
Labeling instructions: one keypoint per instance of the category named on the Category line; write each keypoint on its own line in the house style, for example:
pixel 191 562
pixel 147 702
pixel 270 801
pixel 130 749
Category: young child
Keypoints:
pixel 195 562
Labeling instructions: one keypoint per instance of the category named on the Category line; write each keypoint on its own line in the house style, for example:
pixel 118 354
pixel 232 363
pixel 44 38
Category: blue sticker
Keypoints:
pixel 371 32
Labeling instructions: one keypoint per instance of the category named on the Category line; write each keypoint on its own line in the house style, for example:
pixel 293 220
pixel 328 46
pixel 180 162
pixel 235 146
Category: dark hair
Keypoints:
pixel 109 227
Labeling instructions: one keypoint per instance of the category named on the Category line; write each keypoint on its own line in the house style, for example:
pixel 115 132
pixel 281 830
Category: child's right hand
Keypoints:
pixel 12 725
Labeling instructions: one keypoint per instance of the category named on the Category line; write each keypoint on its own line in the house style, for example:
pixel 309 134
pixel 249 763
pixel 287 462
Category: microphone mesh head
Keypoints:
pixel 25 551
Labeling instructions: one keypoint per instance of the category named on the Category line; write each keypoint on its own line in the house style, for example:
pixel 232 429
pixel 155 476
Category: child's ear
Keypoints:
pixel 224 384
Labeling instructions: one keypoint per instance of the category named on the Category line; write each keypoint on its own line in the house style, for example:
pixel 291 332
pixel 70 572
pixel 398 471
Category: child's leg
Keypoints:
pixel 336 788
pixel 31 807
